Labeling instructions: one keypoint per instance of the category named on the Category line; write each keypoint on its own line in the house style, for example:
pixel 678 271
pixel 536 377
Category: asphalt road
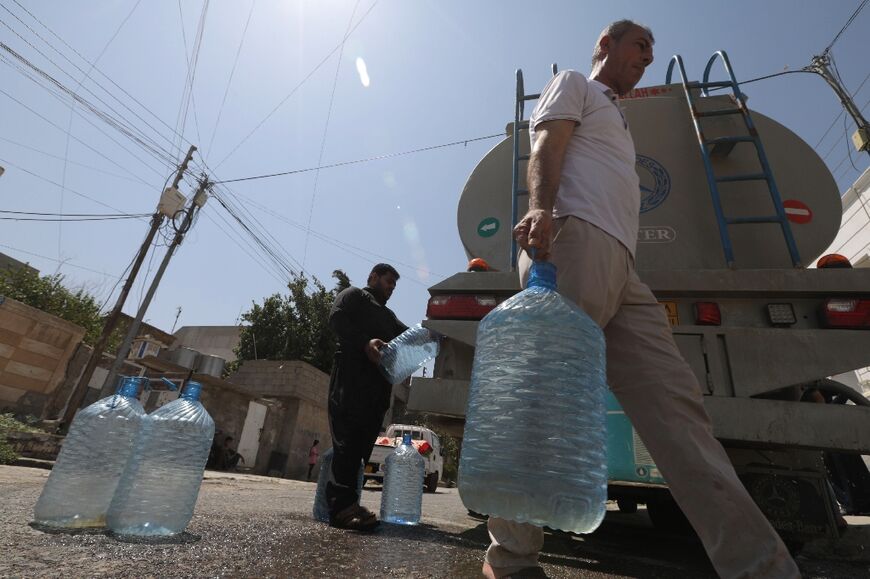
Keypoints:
pixel 248 526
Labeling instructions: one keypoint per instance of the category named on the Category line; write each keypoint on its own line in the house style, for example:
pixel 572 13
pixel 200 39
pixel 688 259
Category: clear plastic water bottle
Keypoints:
pixel 402 498
pixel 534 449
pixel 321 507
pixel 91 461
pixel 159 488
pixel 407 352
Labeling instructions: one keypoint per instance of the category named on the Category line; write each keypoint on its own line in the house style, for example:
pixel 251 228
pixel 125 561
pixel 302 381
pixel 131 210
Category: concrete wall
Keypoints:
pixel 281 379
pixel 228 409
pixel 309 424
pixel 213 340
pixel 35 348
pixel 301 391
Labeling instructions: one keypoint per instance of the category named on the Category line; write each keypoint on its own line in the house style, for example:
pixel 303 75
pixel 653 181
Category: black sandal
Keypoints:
pixel 354 518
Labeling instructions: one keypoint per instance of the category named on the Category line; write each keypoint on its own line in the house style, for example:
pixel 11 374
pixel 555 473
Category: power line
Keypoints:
pixel 59 158
pixel 767 76
pixel 259 260
pixel 192 61
pixel 846 25
pixel 118 125
pixel 298 86
pixel 837 117
pixel 343 245
pixel 67 219
pixel 366 160
pixel 125 215
pixel 115 122
pixel 265 246
pixel 102 273
pixel 326 130
pixel 56 184
pixel 61 129
pixel 848 141
pixel 71 117
pixel 230 80
pixel 128 95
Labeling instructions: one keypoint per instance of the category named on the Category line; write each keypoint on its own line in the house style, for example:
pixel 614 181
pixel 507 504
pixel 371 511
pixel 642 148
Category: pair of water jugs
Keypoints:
pixel 137 474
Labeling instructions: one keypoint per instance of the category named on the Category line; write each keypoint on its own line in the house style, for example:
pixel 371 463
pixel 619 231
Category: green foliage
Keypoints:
pixel 48 293
pixel 293 326
pixel 8 423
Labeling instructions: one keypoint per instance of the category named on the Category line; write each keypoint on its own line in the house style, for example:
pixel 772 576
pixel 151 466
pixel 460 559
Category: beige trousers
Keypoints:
pixel 661 396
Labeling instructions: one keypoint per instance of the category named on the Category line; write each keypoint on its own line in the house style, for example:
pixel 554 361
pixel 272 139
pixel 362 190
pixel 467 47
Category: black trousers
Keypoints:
pixel 352 440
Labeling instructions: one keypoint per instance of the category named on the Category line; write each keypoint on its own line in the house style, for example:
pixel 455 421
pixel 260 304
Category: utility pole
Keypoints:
pixel 199 199
pixel 861 138
pixel 81 388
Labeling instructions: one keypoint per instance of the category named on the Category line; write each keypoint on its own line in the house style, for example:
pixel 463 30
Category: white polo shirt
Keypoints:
pixel 599 183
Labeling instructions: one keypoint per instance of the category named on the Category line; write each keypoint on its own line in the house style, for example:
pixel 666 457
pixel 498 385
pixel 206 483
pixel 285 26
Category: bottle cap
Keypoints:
pixel 128 386
pixel 192 390
pixel 406 438
pixel 543 274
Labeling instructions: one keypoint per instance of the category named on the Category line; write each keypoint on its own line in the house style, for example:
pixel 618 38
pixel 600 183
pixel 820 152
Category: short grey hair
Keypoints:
pixel 616 30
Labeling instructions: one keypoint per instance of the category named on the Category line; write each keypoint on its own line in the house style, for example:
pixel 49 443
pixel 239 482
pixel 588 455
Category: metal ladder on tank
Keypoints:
pixel 520 123
pixel 723 145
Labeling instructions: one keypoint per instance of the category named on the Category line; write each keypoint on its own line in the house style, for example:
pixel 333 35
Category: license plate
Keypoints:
pixel 673 315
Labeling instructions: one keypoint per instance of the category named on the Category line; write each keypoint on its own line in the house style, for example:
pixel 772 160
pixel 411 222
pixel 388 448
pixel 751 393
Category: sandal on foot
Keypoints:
pixel 354 518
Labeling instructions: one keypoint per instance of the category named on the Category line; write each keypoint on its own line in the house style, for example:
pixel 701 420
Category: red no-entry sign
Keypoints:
pixel 797 211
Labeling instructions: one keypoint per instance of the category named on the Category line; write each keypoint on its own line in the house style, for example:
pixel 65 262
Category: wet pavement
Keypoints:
pixel 257 526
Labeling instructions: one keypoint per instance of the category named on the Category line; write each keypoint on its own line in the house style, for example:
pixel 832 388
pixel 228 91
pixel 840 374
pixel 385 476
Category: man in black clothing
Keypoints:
pixel 359 395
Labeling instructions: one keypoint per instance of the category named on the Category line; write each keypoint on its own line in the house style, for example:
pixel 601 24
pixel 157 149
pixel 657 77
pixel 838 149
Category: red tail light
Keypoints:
pixel 844 313
pixel 459 307
pixel 707 314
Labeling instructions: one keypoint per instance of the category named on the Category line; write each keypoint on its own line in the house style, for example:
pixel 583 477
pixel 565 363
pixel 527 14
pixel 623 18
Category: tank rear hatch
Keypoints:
pixel 678 228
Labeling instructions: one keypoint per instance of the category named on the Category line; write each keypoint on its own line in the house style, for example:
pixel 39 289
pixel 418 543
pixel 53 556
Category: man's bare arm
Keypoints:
pixel 544 173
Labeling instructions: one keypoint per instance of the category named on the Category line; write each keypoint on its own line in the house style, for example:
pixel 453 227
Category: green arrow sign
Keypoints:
pixel 488 227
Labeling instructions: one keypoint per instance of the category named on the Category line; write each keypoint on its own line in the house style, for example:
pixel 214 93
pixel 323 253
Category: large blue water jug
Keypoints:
pixel 91 461
pixel 402 498
pixel 321 507
pixel 408 351
pixel 534 449
pixel 159 488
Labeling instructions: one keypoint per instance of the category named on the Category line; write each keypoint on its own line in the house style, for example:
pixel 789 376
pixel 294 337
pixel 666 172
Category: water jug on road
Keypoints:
pixel 321 507
pixel 534 449
pixel 158 491
pixel 91 461
pixel 402 497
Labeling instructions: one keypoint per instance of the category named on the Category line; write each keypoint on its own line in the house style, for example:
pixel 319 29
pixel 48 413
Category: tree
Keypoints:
pixel 48 293
pixel 293 326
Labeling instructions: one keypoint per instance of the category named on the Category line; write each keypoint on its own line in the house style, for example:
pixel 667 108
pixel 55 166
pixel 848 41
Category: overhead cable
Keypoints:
pixel 298 86
pixel 326 130
pixel 366 160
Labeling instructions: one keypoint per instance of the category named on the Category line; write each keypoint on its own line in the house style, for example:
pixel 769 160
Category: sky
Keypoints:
pixel 276 89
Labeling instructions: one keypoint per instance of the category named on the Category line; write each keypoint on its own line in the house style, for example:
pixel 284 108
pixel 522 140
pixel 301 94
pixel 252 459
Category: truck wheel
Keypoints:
pixel 626 505
pixel 667 517
pixel 432 482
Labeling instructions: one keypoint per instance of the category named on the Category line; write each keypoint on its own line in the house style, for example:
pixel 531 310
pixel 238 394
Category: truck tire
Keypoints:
pixel 626 505
pixel 667 517
pixel 432 482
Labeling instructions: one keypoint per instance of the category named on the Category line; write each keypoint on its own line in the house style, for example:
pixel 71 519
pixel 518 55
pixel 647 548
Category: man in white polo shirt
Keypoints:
pixel 584 203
